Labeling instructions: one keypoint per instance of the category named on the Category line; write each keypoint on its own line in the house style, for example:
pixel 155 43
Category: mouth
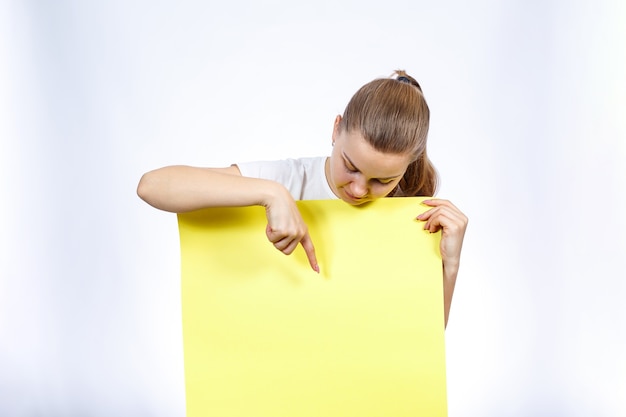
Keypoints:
pixel 354 200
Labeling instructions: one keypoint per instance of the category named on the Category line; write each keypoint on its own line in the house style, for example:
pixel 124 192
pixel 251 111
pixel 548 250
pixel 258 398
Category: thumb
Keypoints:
pixel 309 249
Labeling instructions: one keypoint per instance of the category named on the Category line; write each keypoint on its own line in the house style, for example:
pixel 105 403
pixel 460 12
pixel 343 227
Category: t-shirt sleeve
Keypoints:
pixel 286 172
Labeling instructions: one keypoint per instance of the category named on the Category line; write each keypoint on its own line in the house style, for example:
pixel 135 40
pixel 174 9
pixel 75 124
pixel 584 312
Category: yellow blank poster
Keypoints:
pixel 266 336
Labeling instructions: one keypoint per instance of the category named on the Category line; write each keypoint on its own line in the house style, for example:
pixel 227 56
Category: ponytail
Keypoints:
pixel 420 179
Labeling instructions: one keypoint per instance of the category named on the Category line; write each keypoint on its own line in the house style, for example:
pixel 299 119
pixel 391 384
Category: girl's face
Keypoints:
pixel 358 173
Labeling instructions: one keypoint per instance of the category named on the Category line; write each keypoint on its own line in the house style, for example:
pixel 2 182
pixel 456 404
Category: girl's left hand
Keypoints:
pixel 452 222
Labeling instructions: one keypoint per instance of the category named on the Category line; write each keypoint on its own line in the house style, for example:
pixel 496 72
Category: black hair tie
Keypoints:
pixel 404 79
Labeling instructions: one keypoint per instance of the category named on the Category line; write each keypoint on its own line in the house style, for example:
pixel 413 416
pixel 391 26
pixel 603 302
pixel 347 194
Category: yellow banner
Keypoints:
pixel 266 336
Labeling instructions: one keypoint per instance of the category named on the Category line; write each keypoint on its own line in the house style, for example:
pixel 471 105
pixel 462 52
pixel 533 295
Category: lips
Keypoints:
pixel 353 199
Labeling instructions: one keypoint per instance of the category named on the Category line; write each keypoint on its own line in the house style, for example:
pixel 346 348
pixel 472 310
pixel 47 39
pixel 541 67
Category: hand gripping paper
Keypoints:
pixel 266 336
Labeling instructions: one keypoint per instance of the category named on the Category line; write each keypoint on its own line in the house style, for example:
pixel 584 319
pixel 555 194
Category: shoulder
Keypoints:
pixel 303 177
pixel 290 166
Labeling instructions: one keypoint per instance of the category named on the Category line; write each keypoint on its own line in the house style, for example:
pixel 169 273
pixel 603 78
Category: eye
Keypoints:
pixel 385 182
pixel 350 168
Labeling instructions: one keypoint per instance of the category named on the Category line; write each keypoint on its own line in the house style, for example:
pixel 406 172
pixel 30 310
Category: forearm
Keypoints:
pixel 181 188
pixel 449 281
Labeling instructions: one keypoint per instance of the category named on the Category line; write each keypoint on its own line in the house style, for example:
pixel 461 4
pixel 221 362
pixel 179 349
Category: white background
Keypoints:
pixel 528 102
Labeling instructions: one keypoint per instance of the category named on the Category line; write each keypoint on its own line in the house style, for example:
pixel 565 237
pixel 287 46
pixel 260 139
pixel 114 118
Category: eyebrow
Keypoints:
pixel 355 167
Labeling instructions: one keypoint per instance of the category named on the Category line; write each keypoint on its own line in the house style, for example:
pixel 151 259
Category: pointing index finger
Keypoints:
pixel 309 249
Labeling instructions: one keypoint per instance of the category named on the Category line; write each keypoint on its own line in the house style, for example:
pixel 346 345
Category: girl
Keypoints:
pixel 379 150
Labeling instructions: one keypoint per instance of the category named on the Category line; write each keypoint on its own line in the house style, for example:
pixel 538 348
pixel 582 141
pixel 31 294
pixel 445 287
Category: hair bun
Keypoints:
pixel 403 77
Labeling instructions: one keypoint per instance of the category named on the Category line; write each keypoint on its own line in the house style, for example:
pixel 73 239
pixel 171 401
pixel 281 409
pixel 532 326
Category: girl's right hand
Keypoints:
pixel 286 228
pixel 181 189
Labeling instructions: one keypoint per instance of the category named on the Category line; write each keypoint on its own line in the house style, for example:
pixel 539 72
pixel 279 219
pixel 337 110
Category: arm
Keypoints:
pixel 181 189
pixel 452 222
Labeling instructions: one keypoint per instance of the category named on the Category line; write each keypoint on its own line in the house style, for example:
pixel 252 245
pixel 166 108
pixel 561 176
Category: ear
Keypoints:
pixel 336 128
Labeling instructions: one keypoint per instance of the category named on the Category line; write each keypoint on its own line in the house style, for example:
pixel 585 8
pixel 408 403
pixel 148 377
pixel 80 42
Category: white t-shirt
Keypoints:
pixel 304 177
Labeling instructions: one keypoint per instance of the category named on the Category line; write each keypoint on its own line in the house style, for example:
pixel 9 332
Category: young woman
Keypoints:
pixel 379 150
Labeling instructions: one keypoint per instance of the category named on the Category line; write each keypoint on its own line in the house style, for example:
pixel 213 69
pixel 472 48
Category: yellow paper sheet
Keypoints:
pixel 265 336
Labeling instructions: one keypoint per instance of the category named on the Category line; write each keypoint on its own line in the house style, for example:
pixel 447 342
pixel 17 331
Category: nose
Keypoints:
pixel 359 189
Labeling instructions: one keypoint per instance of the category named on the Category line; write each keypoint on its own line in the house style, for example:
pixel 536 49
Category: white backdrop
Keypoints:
pixel 528 104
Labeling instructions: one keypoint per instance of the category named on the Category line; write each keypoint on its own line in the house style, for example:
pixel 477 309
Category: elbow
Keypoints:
pixel 142 187
pixel 146 188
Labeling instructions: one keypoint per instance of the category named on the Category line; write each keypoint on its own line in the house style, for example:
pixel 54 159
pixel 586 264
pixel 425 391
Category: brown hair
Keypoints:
pixel 392 115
